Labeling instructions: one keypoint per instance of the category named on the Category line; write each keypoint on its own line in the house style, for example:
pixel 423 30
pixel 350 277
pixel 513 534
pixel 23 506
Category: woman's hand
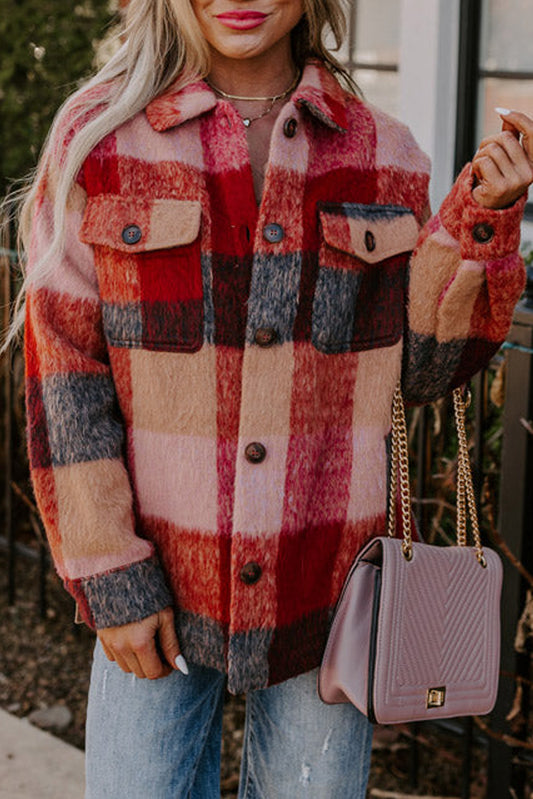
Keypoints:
pixel 135 646
pixel 503 165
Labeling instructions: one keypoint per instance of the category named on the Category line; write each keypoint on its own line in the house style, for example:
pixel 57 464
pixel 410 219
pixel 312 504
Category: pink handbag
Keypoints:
pixel 416 631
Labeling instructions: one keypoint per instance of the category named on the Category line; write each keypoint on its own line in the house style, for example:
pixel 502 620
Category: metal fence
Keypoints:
pixel 509 759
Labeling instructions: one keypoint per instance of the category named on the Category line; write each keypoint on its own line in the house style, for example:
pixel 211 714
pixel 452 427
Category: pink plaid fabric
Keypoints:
pixel 209 382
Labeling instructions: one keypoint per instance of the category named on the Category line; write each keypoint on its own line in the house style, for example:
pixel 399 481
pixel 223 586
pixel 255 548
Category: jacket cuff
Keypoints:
pixel 483 233
pixel 121 596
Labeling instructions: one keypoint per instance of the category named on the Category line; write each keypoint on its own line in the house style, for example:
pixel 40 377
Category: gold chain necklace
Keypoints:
pixel 247 121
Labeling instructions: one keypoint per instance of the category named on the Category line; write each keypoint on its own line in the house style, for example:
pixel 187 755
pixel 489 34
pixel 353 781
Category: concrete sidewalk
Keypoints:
pixel 35 764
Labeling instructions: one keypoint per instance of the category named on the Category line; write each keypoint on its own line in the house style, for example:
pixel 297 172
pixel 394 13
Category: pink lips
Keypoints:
pixel 242 20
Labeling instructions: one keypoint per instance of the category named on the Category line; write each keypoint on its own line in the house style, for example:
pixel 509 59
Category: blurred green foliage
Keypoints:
pixel 46 47
pixel 527 253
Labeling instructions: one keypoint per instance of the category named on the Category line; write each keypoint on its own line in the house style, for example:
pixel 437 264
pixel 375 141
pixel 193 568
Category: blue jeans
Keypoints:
pixel 160 739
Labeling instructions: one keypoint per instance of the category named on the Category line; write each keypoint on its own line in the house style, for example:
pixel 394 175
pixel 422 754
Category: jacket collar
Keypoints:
pixel 318 92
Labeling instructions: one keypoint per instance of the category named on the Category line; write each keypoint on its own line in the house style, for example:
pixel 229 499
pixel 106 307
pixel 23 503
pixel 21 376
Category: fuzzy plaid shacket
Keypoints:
pixel 209 382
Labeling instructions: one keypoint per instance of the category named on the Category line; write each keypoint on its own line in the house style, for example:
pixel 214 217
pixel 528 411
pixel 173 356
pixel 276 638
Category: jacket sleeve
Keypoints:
pixel 465 278
pixel 76 434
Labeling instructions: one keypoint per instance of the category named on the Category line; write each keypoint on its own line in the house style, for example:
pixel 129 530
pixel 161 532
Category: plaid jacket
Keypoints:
pixel 209 383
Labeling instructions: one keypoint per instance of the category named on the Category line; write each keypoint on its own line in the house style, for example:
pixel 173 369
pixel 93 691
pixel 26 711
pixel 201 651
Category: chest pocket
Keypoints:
pixel 148 261
pixel 360 290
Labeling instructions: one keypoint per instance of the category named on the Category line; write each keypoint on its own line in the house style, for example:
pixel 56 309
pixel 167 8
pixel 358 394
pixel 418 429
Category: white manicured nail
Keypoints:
pixel 181 663
pixel 502 111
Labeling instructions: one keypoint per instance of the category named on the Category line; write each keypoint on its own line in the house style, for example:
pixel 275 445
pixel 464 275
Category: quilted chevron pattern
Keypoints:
pixel 452 639
pixel 447 621
pixel 437 628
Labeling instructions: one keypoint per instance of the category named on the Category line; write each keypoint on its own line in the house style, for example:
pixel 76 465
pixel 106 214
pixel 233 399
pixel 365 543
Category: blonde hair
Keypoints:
pixel 161 44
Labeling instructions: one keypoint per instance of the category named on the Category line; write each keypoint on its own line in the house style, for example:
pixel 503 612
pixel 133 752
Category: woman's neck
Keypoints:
pixel 263 76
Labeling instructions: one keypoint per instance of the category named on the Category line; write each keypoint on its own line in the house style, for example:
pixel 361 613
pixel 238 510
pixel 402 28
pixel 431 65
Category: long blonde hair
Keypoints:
pixel 161 44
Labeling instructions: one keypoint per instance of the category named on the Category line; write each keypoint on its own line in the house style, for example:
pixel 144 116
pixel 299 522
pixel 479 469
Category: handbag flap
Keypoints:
pixel 438 634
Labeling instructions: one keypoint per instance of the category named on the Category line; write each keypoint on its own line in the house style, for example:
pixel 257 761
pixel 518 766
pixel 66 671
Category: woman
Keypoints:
pixel 216 321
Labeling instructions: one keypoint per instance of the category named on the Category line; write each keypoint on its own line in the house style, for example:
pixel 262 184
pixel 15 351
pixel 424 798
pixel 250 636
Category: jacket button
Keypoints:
pixel 483 233
pixel 255 452
pixel 131 234
pixel 250 573
pixel 265 336
pixel 290 127
pixel 273 233
pixel 370 241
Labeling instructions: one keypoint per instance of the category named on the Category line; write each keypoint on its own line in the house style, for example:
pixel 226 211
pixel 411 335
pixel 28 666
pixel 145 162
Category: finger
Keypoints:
pixel 150 663
pixel 126 658
pixel 516 120
pixel 521 124
pixel 133 646
pixel 488 140
pixel 168 640
pixel 506 126
pixel 517 154
pixel 493 154
pixel 511 162
pixel 510 157
pixel 487 172
pixel 495 190
pixel 490 180
pixel 121 662
pixel 135 666
pixel 505 141
pixel 107 652
pixel 492 185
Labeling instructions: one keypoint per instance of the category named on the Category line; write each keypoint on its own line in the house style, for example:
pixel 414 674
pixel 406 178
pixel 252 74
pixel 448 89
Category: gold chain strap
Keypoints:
pixel 463 465
pixel 393 487
pixel 465 485
pixel 399 473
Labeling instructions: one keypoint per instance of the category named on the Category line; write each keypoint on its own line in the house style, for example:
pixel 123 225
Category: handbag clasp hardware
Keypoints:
pixel 436 697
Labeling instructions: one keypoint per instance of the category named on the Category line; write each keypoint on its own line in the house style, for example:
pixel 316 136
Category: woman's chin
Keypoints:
pixel 245 47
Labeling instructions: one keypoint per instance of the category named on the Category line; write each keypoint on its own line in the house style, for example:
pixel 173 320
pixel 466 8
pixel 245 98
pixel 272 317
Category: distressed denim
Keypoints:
pixel 160 739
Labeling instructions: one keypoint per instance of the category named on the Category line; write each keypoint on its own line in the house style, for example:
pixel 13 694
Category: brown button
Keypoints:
pixel 255 452
pixel 483 233
pixel 250 573
pixel 290 127
pixel 265 336
pixel 370 241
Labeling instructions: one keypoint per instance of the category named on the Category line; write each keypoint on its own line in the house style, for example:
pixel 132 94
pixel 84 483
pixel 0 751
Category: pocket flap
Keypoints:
pixel 138 225
pixel 370 232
